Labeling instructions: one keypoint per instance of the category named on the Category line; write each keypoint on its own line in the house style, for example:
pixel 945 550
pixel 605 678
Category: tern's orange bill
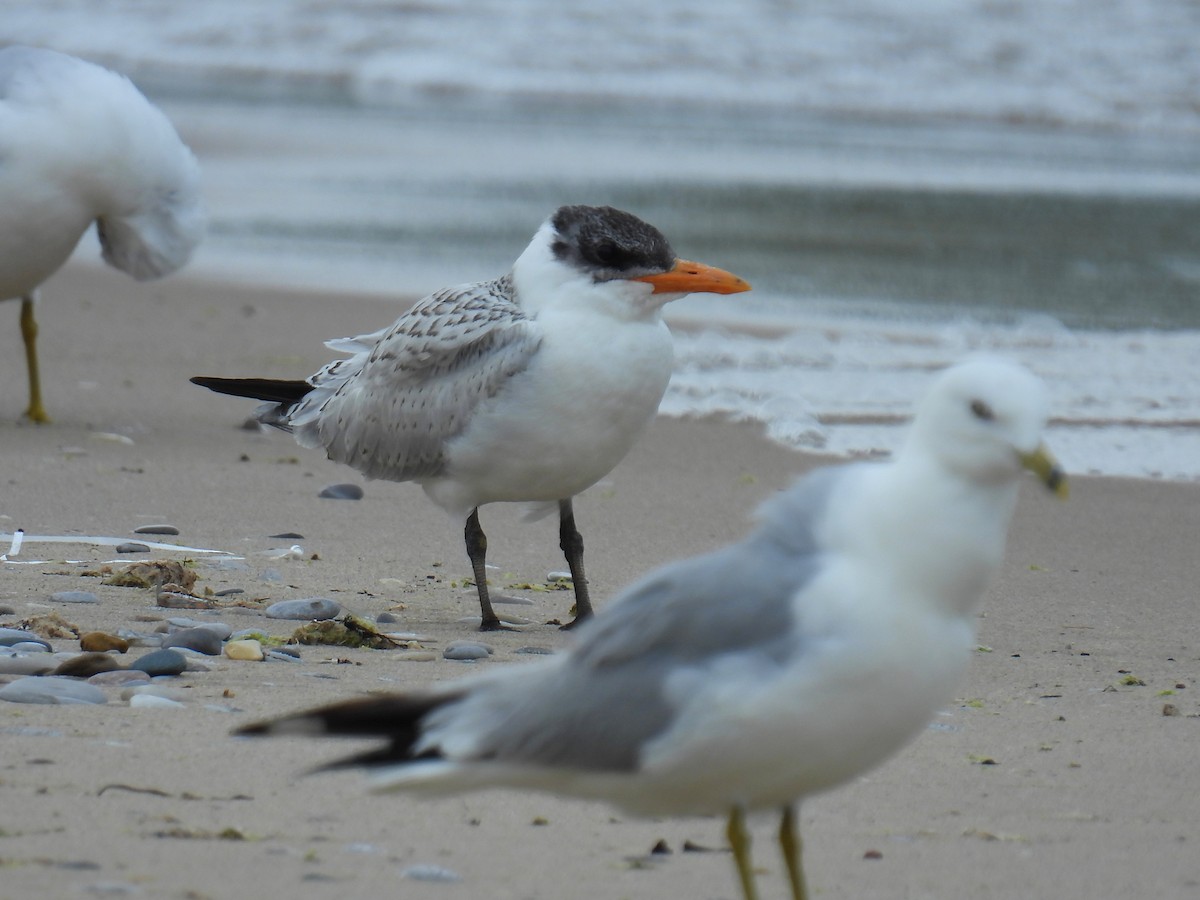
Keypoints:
pixel 689 277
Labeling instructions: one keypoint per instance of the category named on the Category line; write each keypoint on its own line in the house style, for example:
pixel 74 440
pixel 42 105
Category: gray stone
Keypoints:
pixel 156 529
pixel 307 609
pixel 466 650
pixel 10 636
pixel 75 597
pixel 120 677
pixel 161 662
pixel 132 547
pixel 202 640
pixel 26 663
pixel 49 689
pixel 31 646
pixel 341 492
pixel 220 628
pixel 280 654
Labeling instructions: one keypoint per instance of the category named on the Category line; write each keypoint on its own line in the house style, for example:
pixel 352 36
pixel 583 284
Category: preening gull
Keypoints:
pixel 80 144
pixel 529 388
pixel 773 668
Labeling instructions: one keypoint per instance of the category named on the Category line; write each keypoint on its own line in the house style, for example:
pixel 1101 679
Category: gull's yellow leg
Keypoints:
pixel 739 842
pixel 29 330
pixel 789 840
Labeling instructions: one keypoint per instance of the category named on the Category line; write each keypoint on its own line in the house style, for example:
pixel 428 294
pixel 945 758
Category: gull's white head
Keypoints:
pixel 984 419
pixel 597 254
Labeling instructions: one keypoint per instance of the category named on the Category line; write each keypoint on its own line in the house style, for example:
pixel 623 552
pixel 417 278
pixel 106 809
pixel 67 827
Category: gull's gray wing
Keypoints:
pixel 607 699
pixel 389 409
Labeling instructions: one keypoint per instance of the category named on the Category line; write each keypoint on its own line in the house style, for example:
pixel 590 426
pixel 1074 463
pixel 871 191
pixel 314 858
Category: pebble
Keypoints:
pixel 85 665
pixel 161 662
pixel 219 627
pixel 535 651
pixel 280 654
pixel 139 638
pixel 429 872
pixel 48 689
pixel 153 690
pixel 466 650
pixel 75 597
pixel 230 592
pixel 25 664
pixel 248 649
pixel 341 492
pixel 559 577
pixel 307 609
pixel 156 529
pixel 30 646
pixel 6 610
pixel 102 642
pixel 10 636
pixel 132 547
pixel 152 700
pixel 120 677
pixel 201 639
pixel 287 536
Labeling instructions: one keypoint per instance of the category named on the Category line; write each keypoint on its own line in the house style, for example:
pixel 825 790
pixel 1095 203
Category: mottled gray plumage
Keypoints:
pixel 389 410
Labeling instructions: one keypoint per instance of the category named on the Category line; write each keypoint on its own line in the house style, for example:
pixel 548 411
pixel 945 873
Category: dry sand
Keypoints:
pixel 1090 792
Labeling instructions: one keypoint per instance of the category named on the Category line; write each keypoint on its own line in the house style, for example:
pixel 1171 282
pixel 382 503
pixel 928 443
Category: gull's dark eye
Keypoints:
pixel 982 411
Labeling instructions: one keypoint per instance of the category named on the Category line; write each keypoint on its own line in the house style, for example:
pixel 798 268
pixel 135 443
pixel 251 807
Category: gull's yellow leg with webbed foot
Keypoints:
pixel 29 332
pixel 793 848
pixel 739 843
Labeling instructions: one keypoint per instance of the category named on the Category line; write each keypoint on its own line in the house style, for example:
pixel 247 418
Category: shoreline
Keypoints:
pixel 1089 792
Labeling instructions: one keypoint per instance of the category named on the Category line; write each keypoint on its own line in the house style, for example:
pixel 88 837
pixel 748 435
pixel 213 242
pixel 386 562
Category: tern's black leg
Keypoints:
pixel 789 841
pixel 571 542
pixel 477 553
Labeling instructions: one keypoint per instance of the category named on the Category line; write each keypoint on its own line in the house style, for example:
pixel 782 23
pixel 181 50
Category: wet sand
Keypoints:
pixel 1055 774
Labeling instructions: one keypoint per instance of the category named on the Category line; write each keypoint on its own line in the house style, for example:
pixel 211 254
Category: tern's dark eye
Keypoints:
pixel 982 411
pixel 607 253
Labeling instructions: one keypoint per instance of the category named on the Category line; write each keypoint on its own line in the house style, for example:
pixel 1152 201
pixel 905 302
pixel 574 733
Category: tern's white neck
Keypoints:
pixel 544 282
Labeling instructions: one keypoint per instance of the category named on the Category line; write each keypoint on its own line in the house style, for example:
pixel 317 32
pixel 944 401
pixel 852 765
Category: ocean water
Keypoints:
pixel 904 183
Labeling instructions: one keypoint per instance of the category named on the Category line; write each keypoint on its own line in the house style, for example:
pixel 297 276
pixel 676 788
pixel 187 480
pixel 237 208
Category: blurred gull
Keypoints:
pixel 529 388
pixel 80 144
pixel 751 677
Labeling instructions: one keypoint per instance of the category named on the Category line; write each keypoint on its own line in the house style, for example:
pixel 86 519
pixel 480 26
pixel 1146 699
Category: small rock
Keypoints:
pixel 278 653
pixel 287 536
pixel 75 597
pixel 152 690
pixel 151 700
pixel 219 628
pixel 12 636
pixel 318 608
pixel 120 677
pixel 85 665
pixel 6 610
pixel 156 529
pixel 202 640
pixel 102 642
pixel 1170 709
pixel 48 689
pixel 229 592
pixel 132 547
pixel 161 662
pixel 429 872
pixel 25 664
pixel 341 492
pixel 177 600
pixel 466 650
pixel 30 646
pixel 559 577
pixel 249 649
pixel 387 618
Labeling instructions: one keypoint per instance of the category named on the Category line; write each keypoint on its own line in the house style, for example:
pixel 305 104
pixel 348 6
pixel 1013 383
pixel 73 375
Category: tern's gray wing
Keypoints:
pixel 608 699
pixel 389 409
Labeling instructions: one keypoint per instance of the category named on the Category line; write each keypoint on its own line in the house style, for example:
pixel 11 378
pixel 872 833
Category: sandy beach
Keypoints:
pixel 1055 774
